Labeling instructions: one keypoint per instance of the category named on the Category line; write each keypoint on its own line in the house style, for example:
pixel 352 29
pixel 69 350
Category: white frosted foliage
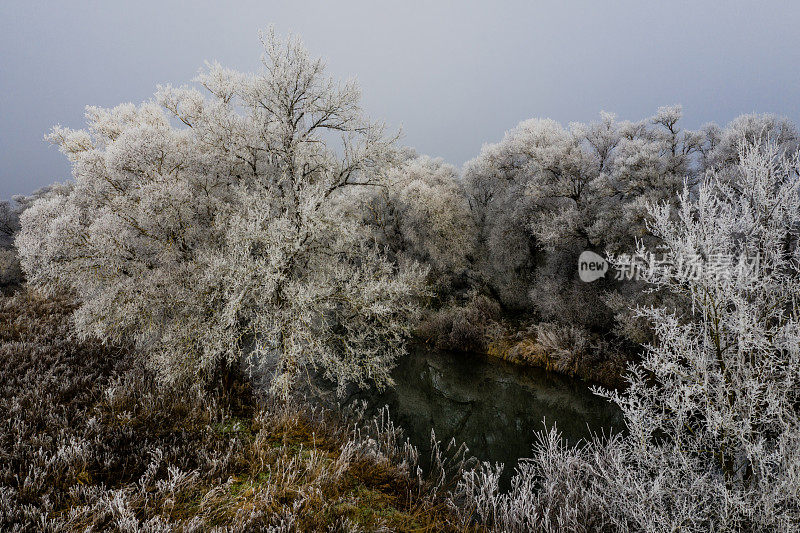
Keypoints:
pixel 206 225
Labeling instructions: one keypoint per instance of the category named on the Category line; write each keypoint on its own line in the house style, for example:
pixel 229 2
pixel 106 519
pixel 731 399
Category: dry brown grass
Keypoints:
pixel 479 326
pixel 466 328
pixel 566 351
pixel 91 441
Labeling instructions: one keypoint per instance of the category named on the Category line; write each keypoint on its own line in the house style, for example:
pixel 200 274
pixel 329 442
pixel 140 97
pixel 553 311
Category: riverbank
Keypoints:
pixel 480 327
pixel 93 442
pixel 607 370
pixel 495 408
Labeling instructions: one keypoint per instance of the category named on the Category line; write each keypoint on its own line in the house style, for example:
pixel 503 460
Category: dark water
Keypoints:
pixel 492 406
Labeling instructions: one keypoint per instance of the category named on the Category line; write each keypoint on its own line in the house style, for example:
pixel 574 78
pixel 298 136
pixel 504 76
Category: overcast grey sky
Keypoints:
pixel 454 74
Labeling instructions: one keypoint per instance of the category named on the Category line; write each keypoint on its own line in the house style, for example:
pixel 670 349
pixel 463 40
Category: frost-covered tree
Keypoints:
pixel 11 274
pixel 527 191
pixel 715 401
pixel 210 228
pixel 713 409
pixel 422 215
pixel 721 146
pixel 650 162
pixel 545 193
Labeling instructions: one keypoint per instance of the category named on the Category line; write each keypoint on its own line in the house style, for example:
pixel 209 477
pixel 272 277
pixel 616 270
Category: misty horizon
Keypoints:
pixel 453 76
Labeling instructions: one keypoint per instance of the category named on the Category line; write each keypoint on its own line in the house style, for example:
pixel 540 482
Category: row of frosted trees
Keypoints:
pixel 712 408
pixel 262 220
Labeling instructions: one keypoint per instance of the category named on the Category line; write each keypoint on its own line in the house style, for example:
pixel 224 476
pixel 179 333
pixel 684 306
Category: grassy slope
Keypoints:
pixel 91 440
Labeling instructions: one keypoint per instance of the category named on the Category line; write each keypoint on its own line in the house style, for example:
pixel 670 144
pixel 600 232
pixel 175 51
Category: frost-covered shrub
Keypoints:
pixel 468 328
pixel 10 269
pixel 227 236
pixel 551 492
pixel 712 439
pixel 567 344
pixel 717 394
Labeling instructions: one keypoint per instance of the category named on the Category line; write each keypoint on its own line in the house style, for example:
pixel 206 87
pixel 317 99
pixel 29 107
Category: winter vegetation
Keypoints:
pixel 225 244
pixel 94 441
pixel 229 234
pixel 712 408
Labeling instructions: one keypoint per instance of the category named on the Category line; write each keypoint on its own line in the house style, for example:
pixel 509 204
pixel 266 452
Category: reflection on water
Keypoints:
pixel 492 406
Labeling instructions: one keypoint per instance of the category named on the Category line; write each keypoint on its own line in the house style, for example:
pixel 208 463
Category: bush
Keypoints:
pixel 467 328
pixel 10 270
